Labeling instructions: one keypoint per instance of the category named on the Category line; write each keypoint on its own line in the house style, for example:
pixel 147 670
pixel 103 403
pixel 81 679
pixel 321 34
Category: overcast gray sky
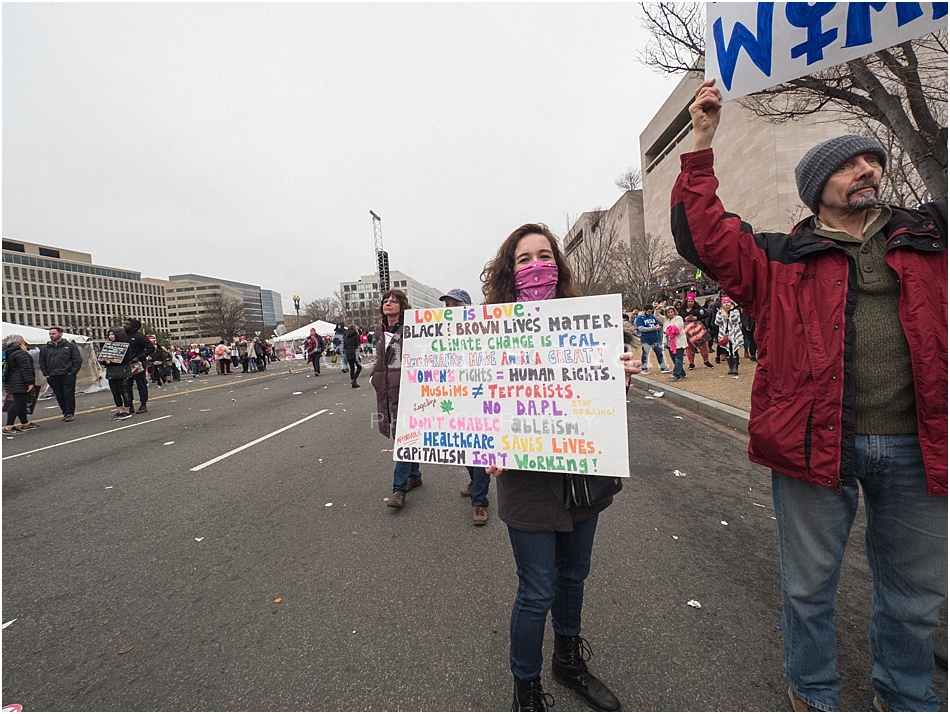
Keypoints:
pixel 249 142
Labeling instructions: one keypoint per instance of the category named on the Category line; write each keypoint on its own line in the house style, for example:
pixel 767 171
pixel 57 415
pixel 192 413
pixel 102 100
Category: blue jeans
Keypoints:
pixel 64 387
pixel 678 356
pixel 657 349
pixel 552 568
pixel 478 482
pixel 402 473
pixel 906 548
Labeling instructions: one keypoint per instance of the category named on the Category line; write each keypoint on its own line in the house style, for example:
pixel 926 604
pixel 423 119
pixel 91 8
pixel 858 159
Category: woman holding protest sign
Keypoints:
pixel 385 379
pixel 117 360
pixel 551 518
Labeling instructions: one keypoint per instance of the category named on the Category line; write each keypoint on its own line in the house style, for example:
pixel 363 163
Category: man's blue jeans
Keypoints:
pixel 64 387
pixel 906 547
pixel 657 349
pixel 479 481
pixel 552 568
pixel 403 471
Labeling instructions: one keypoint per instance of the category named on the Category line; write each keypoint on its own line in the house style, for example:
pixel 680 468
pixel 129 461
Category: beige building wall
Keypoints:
pixel 626 214
pixel 755 161
pixel 45 286
pixel 187 299
pixel 361 298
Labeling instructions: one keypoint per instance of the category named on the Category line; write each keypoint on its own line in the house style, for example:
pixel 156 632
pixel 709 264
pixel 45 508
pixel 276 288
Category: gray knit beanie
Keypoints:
pixel 816 166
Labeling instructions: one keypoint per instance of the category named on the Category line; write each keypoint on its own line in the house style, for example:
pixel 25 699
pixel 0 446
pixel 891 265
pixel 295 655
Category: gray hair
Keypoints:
pixel 12 341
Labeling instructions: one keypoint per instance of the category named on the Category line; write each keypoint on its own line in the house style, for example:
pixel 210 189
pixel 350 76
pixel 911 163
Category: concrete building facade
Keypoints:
pixel 755 161
pixel 44 286
pixel 361 298
pixel 272 308
pixel 585 241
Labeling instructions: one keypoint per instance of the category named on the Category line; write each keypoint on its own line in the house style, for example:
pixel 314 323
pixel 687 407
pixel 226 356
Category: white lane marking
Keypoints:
pixel 248 445
pixel 82 438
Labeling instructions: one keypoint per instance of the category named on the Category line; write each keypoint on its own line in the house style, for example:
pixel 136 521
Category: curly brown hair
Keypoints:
pixel 498 277
pixel 403 303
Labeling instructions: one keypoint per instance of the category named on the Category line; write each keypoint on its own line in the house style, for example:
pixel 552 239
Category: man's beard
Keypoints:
pixel 862 202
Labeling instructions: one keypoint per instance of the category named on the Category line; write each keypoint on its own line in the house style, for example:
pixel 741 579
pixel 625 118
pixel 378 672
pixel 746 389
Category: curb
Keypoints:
pixel 723 413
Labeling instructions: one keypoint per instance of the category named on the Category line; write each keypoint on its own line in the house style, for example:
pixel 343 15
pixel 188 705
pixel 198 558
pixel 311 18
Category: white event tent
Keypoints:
pixel 288 345
pixel 90 377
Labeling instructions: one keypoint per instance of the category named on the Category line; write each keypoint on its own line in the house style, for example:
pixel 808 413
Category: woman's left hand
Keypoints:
pixel 631 366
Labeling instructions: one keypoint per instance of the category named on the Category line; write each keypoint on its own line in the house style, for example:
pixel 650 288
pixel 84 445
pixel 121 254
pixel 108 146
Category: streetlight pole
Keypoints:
pixel 297 308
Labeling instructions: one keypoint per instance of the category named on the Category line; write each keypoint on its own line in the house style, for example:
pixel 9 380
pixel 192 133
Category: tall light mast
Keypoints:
pixel 382 258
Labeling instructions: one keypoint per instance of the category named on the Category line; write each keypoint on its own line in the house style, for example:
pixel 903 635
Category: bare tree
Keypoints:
pixel 592 245
pixel 630 180
pixel 222 317
pixel 325 308
pixel 902 89
pixel 639 268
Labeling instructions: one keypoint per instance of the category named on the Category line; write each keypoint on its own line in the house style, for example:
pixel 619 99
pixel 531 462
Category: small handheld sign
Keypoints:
pixel 113 352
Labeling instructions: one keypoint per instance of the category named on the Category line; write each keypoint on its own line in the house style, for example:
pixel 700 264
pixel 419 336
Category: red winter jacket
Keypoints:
pixel 800 290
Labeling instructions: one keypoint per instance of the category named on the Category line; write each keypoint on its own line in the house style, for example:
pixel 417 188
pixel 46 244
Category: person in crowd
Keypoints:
pixel 696 333
pixel 159 362
pixel 60 362
pixel 140 347
pixel 351 350
pixel 19 377
pixel 364 343
pixel 243 353
pixel 385 380
pixel 651 340
pixel 194 361
pixel 478 479
pixel 313 349
pixel 339 332
pixel 551 537
pixel 730 332
pixel 178 364
pixel 251 355
pixel 235 355
pixel 119 376
pixel 674 338
pixel 260 353
pixel 849 399
pixel 748 336
pixel 222 356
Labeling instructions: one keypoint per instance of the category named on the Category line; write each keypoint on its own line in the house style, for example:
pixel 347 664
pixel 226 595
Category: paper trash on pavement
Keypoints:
pixel 723 523
pixel 677 472
pixel 7 624
pixel 694 603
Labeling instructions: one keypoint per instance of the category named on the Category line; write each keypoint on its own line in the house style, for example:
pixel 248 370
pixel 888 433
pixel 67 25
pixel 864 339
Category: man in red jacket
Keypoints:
pixel 851 388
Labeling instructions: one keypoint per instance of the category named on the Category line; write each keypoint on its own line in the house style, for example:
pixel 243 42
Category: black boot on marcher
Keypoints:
pixel 569 666
pixel 530 697
pixel 733 365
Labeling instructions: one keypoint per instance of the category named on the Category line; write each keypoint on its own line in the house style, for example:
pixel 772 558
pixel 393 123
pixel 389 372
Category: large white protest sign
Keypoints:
pixel 537 386
pixel 751 46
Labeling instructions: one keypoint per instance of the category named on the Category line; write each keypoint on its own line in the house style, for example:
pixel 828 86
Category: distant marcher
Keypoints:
pixel 252 354
pixel 19 377
pixel 674 336
pixel 140 347
pixel 178 364
pixel 478 479
pixel 160 361
pixel 696 333
pixel 313 349
pixel 60 362
pixel 385 379
pixel 650 331
pixel 339 332
pixel 222 356
pixel 261 353
pixel 351 348
pixel 730 333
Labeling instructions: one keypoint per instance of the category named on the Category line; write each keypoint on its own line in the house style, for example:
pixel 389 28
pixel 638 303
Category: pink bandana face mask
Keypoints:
pixel 536 281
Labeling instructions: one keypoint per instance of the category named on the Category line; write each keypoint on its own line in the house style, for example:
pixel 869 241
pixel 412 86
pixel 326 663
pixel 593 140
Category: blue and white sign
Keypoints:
pixel 751 46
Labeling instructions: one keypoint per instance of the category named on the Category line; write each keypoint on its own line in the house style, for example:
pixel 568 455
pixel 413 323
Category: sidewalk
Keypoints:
pixel 708 391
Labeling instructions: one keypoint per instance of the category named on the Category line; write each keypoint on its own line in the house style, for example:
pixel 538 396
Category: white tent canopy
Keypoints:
pixel 322 326
pixel 38 335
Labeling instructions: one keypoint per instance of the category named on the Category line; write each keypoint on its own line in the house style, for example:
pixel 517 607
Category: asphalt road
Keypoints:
pixel 137 583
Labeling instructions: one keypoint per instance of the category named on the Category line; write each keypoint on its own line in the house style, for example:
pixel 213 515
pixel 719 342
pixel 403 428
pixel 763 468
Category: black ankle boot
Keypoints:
pixel 733 365
pixel 530 697
pixel 569 666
